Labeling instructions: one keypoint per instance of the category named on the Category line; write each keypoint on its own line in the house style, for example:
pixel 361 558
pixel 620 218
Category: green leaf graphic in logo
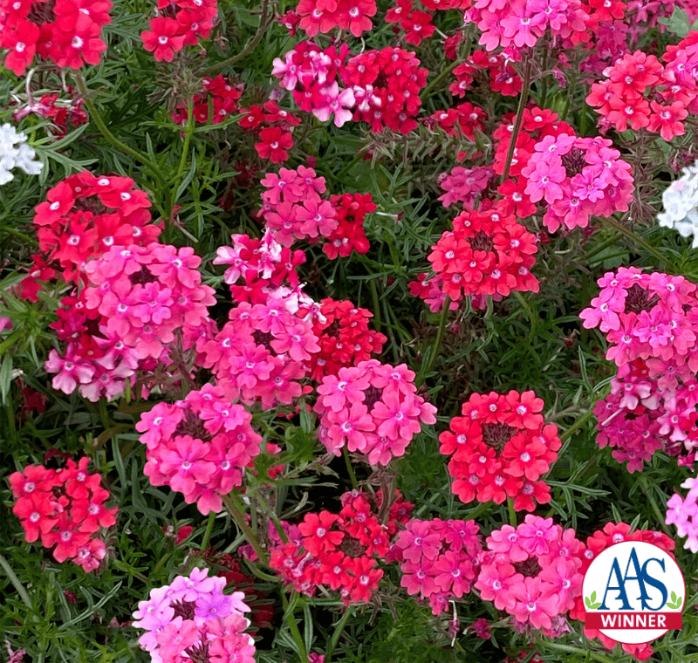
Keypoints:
pixel 590 601
pixel 675 602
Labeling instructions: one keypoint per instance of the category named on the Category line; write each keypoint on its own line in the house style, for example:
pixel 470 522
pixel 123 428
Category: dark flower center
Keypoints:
pixel 574 162
pixel 497 435
pixel 333 329
pixel 352 547
pixel 529 568
pixel 371 396
pixel 263 338
pixel 184 609
pixel 192 425
pixel 481 242
pixel 637 299
pixel 199 653
pixel 142 277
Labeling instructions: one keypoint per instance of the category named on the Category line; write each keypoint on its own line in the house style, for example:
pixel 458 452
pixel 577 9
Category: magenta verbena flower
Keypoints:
pixel 578 178
pixel 532 572
pixel 263 353
pixel 373 409
pixel 438 559
pixel 199 446
pixel 192 620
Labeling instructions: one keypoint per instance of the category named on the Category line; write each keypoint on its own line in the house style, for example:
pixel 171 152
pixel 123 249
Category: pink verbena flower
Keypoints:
pixel 199 446
pixel 373 409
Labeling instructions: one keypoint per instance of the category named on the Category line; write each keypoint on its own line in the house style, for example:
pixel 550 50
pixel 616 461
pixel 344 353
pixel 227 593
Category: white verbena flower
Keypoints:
pixel 16 153
pixel 681 205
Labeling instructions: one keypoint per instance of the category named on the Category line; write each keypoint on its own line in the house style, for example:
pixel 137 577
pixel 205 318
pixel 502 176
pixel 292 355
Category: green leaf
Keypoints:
pixel 678 23
pixel 587 601
pixel 5 377
pixel 593 596
pixel 673 597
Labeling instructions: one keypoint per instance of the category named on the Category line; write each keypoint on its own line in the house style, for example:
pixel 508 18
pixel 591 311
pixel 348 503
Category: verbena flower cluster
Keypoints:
pixel 339 551
pixel 179 24
pixel 66 32
pixel 263 353
pixel 650 322
pixel 65 509
pixel 373 409
pixel 641 93
pixel 216 102
pixel 192 620
pixel 681 205
pixel 486 253
pixel 378 87
pixel 143 305
pixel 15 152
pixel 344 337
pixel 532 572
pixel 438 559
pixel 500 448
pixel 199 446
pixel 85 215
pixel 294 209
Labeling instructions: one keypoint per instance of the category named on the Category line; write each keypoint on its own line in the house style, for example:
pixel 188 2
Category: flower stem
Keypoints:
pixel 519 117
pixel 350 468
pixel 655 507
pixel 634 237
pixel 188 133
pixel 424 371
pixel 241 521
pixel 577 425
pixel 439 78
pixel 513 521
pixel 207 533
pixel 290 619
pixel 104 130
pixel 264 23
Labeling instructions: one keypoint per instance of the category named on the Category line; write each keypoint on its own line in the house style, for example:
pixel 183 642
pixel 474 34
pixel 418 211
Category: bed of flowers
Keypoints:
pixel 343 330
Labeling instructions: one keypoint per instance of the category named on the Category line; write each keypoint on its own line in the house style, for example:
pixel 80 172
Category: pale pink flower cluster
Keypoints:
pixel 683 512
pixel 578 178
pixel 651 323
pixel 532 572
pixel 294 208
pixel 438 559
pixel 464 185
pixel 141 302
pixel 262 353
pixel 199 446
pixel 521 23
pixel 372 409
pixel 192 620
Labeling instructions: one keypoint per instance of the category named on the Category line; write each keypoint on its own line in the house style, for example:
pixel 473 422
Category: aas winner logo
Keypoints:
pixel 634 592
